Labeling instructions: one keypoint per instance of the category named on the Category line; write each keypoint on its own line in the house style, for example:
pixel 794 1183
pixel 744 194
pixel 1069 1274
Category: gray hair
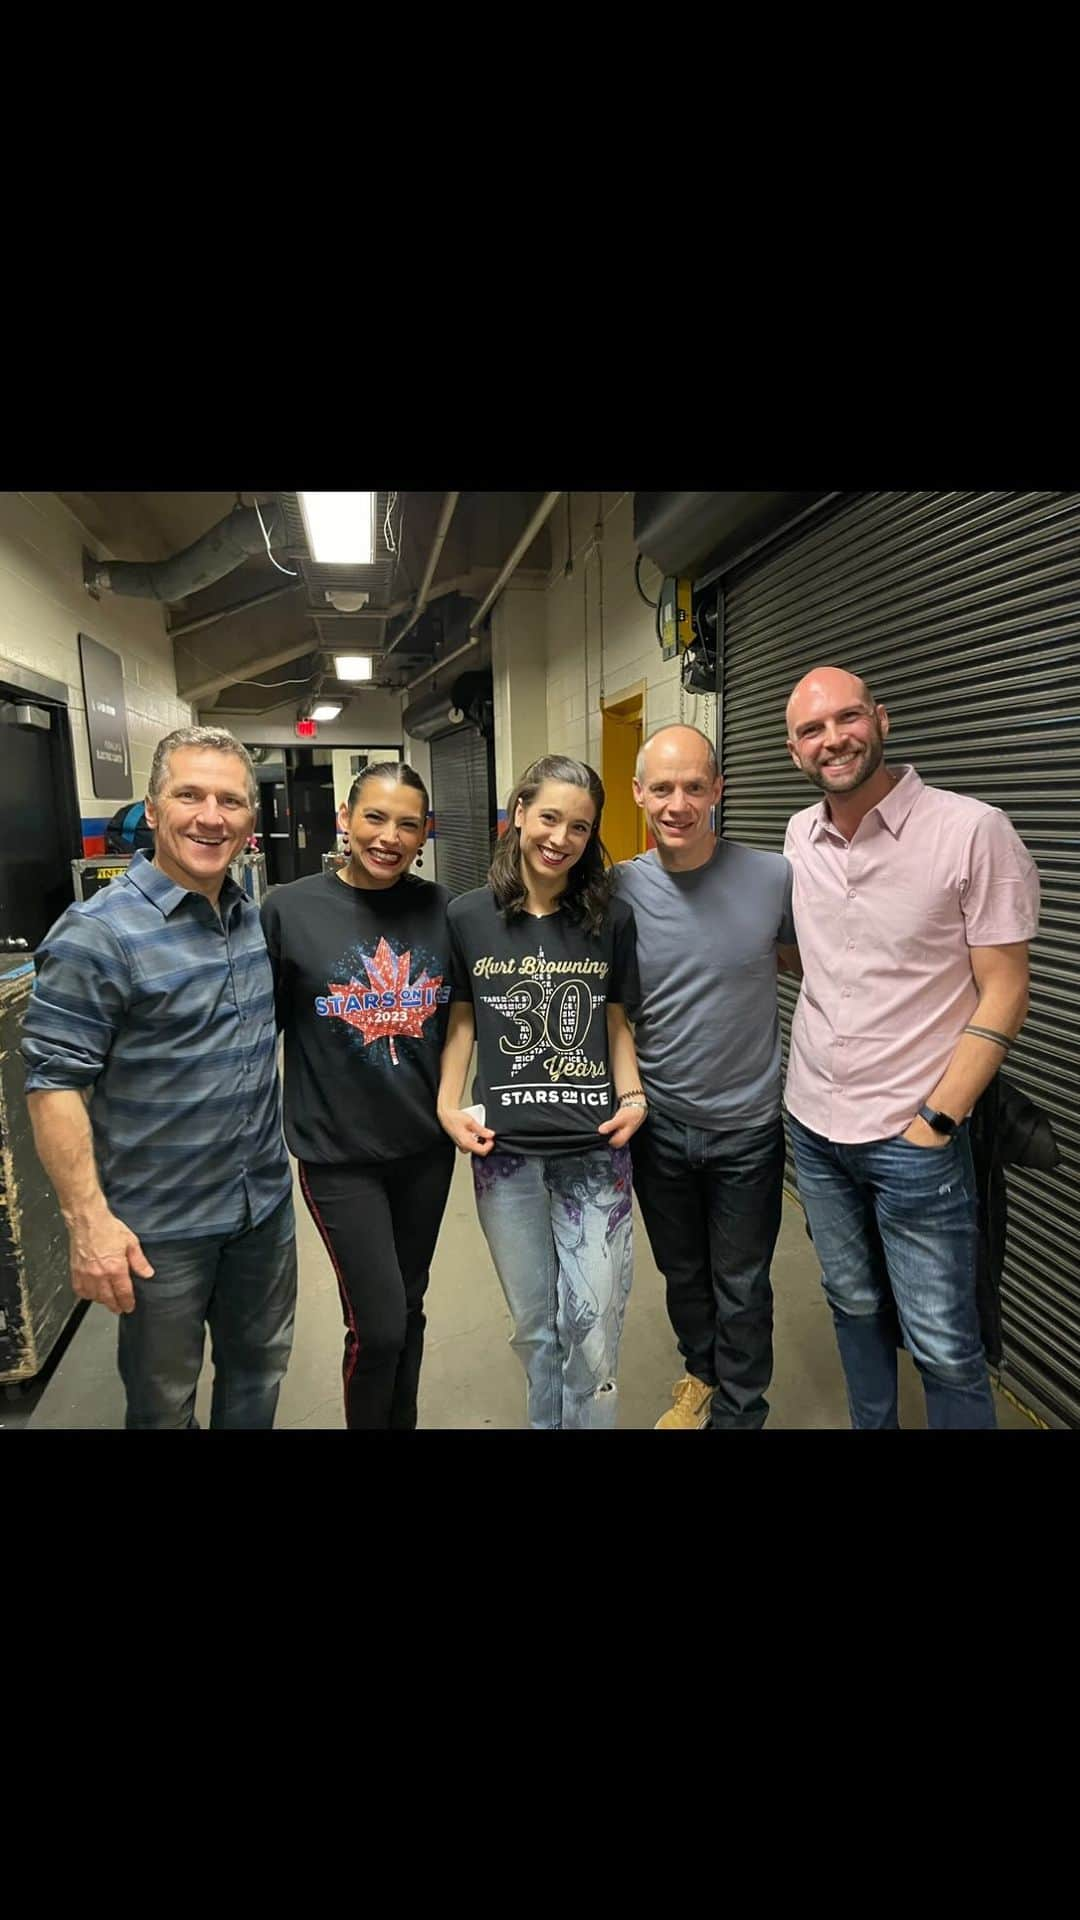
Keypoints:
pixel 714 764
pixel 214 738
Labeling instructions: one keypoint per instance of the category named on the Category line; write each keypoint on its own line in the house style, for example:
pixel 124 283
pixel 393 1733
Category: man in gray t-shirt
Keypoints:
pixel 713 919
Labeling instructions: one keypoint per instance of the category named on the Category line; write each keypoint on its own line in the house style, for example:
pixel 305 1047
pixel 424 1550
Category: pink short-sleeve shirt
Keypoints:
pixel 884 923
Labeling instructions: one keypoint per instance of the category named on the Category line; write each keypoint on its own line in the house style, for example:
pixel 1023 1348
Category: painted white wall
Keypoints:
pixel 43 609
pixel 418 755
pixel 601 637
pixel 341 761
pixel 519 676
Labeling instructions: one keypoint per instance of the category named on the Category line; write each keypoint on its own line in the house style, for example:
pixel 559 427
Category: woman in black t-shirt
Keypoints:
pixel 361 975
pixel 544 964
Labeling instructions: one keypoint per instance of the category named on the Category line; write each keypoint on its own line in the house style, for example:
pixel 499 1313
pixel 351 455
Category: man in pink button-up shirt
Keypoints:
pixel 913 910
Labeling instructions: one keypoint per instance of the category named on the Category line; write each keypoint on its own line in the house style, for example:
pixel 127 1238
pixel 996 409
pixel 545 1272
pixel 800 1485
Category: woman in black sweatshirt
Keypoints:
pixel 362 979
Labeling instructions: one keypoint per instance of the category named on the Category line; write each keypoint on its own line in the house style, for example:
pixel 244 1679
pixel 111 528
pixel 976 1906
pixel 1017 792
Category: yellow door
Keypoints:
pixel 623 830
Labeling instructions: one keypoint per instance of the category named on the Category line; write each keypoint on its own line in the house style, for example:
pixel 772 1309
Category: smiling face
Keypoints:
pixel 201 817
pixel 836 732
pixel 677 790
pixel 387 828
pixel 555 829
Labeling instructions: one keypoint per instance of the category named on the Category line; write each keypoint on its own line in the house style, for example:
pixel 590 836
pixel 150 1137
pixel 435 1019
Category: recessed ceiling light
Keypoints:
pixel 353 666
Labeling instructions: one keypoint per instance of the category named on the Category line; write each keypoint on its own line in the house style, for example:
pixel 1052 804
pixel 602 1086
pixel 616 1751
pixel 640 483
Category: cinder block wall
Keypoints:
pixel 43 609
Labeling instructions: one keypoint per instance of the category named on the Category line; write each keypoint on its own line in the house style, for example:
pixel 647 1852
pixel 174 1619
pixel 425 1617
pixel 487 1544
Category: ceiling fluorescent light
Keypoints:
pixel 352 666
pixel 327 709
pixel 340 528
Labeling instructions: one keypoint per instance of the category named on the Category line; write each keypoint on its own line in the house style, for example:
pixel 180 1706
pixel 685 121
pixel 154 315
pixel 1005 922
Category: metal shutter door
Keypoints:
pixel 459 798
pixel 962 610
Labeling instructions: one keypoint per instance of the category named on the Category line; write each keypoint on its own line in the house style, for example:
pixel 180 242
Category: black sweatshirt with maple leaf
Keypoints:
pixel 362 985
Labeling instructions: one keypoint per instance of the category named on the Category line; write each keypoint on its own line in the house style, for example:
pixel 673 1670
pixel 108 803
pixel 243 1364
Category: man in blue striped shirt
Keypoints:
pixel 153 1005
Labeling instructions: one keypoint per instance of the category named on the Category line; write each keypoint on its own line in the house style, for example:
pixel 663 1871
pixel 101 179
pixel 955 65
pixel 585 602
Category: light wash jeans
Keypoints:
pixel 561 1236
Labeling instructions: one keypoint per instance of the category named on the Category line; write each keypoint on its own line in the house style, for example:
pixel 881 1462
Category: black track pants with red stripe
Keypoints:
pixel 379 1221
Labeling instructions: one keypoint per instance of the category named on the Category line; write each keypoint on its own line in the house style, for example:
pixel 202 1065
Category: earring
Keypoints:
pixel 419 860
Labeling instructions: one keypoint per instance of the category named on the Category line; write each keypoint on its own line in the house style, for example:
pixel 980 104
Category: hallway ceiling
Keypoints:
pixel 253 658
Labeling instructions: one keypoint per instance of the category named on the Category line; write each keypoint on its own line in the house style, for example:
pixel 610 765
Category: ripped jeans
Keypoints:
pixel 894 1228
pixel 561 1236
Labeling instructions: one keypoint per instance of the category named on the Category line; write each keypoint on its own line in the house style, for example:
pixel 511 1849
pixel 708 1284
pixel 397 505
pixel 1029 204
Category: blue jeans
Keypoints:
pixel 560 1232
pixel 894 1227
pixel 242 1287
pixel 711 1206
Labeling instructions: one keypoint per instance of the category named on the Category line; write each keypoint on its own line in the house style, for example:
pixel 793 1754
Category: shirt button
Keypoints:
pixel 851 893
pixel 846 994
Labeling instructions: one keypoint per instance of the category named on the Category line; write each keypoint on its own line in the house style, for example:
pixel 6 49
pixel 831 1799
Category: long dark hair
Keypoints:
pixel 588 883
pixel 396 770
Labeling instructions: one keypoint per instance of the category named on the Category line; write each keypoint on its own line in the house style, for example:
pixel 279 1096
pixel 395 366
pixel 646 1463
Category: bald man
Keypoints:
pixel 913 908
pixel 712 918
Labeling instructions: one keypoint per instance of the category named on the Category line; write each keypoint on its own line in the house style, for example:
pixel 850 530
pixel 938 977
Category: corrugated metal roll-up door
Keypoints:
pixel 460 799
pixel 962 610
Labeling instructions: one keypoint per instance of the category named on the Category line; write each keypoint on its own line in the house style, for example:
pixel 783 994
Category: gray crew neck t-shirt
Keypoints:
pixel 707 1026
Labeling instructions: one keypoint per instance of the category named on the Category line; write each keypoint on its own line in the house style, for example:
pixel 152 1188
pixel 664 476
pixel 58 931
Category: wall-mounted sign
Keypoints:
pixel 106 719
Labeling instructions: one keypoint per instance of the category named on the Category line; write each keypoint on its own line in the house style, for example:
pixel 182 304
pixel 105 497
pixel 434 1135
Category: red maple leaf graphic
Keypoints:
pixel 389 979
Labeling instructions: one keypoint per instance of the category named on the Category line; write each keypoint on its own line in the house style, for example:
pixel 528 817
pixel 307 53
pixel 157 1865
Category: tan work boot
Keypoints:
pixel 690 1403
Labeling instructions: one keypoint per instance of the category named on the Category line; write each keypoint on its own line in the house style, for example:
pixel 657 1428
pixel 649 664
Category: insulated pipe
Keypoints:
pixel 218 552
pixel 543 512
pixel 440 664
pixel 446 514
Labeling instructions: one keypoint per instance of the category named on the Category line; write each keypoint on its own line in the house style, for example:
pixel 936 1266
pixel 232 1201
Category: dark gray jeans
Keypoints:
pixel 711 1205
pixel 243 1288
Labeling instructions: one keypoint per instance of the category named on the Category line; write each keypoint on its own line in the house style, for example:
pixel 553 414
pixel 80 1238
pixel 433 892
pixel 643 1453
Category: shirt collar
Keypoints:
pixel 892 811
pixel 166 895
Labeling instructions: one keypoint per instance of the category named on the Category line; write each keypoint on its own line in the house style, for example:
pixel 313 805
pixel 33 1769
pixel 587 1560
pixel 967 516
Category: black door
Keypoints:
pixel 275 831
pixel 39 832
pixel 314 814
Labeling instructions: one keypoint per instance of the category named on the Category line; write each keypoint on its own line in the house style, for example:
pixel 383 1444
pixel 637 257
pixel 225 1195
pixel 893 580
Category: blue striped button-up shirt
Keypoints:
pixel 167 1012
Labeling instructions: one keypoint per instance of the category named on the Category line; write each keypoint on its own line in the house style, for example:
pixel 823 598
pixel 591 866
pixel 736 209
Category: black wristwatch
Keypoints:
pixel 940 1122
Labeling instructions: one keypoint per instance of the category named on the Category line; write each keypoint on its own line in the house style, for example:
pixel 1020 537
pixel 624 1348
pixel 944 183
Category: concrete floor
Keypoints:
pixel 470 1377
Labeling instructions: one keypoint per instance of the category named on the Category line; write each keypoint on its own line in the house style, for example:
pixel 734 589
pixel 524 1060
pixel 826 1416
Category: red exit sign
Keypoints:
pixel 307 730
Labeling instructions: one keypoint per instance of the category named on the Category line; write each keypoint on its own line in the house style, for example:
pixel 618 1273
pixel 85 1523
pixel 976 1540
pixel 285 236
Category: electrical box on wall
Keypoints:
pixel 675 628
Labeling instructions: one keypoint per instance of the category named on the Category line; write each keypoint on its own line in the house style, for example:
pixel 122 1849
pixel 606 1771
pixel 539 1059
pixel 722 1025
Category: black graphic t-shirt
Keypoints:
pixel 362 984
pixel 540 990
